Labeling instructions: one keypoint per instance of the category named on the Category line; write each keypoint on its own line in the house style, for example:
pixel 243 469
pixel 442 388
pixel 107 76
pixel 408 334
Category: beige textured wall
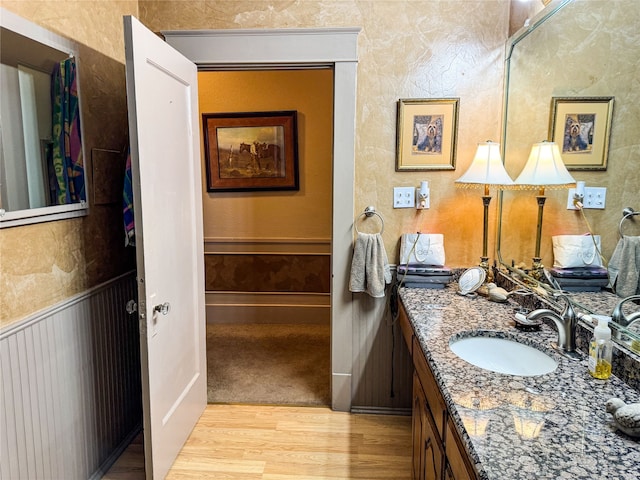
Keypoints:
pixel 589 48
pixel 46 263
pixel 407 49
pixel 305 213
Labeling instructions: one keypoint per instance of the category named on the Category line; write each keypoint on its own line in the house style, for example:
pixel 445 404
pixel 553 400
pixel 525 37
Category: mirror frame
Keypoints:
pixel 21 26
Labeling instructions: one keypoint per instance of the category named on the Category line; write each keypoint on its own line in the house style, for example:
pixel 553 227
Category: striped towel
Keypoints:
pixel 127 206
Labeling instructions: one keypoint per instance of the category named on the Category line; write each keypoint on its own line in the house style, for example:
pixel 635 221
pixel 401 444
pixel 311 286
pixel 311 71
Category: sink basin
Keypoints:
pixel 503 355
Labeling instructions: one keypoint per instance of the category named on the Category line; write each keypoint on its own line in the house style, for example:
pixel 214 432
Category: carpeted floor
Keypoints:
pixel 268 364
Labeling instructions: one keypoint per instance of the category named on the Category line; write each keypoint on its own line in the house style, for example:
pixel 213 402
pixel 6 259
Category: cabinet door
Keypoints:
pixel 417 419
pixel 428 455
pixel 457 459
pixel 406 328
pixel 435 401
pixel 448 474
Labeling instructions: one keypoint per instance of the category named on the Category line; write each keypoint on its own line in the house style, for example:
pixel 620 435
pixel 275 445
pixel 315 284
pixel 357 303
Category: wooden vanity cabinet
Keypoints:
pixel 428 450
pixel 438 452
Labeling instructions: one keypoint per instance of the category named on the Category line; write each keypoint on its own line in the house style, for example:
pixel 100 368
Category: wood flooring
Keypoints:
pixel 288 443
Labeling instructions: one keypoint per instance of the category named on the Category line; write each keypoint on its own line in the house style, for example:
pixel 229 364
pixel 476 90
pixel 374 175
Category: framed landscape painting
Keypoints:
pixel 251 151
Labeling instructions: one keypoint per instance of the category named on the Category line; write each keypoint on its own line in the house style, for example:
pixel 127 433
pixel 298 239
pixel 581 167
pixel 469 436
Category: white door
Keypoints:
pixel 165 157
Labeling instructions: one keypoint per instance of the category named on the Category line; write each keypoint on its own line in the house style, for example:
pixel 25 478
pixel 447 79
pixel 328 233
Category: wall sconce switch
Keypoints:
pixel 404 197
pixel 595 197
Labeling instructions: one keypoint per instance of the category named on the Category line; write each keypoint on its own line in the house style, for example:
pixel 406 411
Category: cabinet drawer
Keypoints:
pixel 457 458
pixel 431 389
pixel 407 329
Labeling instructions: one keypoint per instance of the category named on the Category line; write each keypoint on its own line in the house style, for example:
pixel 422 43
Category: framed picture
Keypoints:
pixel 251 151
pixel 581 127
pixel 427 132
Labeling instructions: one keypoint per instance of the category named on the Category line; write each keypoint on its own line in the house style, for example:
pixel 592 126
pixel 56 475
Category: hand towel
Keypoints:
pixel 624 267
pixel 370 270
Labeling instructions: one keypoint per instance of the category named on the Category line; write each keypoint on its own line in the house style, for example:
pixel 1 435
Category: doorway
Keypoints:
pixel 336 47
pixel 267 253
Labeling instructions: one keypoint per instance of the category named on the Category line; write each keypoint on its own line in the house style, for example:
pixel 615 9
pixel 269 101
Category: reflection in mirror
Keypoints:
pixel 585 48
pixel 41 156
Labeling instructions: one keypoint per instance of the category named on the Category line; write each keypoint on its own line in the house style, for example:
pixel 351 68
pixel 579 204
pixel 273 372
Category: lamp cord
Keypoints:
pixel 393 307
pixel 604 260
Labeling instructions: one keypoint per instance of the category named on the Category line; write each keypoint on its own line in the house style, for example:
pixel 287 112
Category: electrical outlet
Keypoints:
pixel 570 199
pixel 422 202
pixel 404 197
pixel 595 197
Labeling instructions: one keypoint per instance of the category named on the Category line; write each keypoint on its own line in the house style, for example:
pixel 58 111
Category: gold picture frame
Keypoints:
pixel 581 126
pixel 426 134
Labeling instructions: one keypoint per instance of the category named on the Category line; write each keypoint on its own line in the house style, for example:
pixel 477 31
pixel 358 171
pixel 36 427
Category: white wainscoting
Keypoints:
pixel 382 367
pixel 70 386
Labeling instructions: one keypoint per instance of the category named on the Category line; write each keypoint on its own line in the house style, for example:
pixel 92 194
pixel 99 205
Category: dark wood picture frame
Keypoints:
pixel 247 151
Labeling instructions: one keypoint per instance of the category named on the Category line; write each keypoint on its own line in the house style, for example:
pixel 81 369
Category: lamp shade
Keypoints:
pixel 486 168
pixel 545 168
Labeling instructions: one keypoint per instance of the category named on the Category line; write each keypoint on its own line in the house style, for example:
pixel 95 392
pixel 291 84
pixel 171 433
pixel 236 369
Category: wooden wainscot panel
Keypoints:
pixel 268 273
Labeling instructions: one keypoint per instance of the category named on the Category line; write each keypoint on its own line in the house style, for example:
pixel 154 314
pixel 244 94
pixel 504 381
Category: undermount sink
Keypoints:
pixel 503 355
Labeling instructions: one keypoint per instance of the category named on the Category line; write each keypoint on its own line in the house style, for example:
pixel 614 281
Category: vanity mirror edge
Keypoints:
pixel 545 17
pixel 33 32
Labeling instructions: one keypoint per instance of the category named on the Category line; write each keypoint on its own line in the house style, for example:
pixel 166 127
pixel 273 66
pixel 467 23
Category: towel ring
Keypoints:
pixel 627 213
pixel 369 212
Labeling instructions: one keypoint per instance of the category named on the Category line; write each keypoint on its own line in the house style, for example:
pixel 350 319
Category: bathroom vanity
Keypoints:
pixel 473 423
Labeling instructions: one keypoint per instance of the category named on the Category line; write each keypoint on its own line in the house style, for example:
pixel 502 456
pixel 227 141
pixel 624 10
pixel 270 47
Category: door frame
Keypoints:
pixel 306 48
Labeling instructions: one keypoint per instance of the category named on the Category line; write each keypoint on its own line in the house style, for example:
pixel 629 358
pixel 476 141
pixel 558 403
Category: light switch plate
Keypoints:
pixel 404 197
pixel 595 197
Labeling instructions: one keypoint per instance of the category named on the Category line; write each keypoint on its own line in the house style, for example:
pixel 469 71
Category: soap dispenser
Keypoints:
pixel 600 350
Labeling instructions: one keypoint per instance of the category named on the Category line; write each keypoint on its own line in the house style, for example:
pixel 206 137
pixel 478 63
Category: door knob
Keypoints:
pixel 132 307
pixel 163 309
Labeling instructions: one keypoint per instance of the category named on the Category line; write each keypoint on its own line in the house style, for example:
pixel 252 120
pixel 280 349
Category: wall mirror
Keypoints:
pixel 41 152
pixel 572 48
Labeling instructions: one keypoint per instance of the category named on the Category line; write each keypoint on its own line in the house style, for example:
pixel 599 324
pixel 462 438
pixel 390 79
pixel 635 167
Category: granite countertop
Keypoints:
pixel 576 439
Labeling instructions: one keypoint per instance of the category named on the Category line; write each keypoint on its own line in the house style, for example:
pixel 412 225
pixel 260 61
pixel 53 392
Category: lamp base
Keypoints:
pixel 537 268
pixel 484 264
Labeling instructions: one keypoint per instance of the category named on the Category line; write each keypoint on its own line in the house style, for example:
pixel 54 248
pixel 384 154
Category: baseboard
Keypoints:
pixel 113 457
pixel 291 314
pixel 252 307
pixel 406 412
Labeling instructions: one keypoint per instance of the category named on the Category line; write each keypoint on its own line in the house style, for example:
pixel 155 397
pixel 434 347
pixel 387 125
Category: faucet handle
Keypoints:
pixel 618 315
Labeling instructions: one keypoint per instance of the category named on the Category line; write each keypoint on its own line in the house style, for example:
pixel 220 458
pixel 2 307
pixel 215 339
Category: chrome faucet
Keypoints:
pixel 565 323
pixel 618 315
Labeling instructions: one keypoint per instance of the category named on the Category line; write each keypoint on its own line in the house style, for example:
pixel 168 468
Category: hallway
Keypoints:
pixel 272 364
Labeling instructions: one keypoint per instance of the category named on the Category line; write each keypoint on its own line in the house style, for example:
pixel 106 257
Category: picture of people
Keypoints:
pixel 578 133
pixel 250 151
pixel 427 134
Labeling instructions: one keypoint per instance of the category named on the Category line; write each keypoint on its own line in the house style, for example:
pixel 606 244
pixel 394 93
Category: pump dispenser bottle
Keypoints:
pixel 600 350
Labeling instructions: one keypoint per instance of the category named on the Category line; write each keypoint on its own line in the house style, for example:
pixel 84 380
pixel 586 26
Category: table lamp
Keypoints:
pixel 486 170
pixel 544 169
